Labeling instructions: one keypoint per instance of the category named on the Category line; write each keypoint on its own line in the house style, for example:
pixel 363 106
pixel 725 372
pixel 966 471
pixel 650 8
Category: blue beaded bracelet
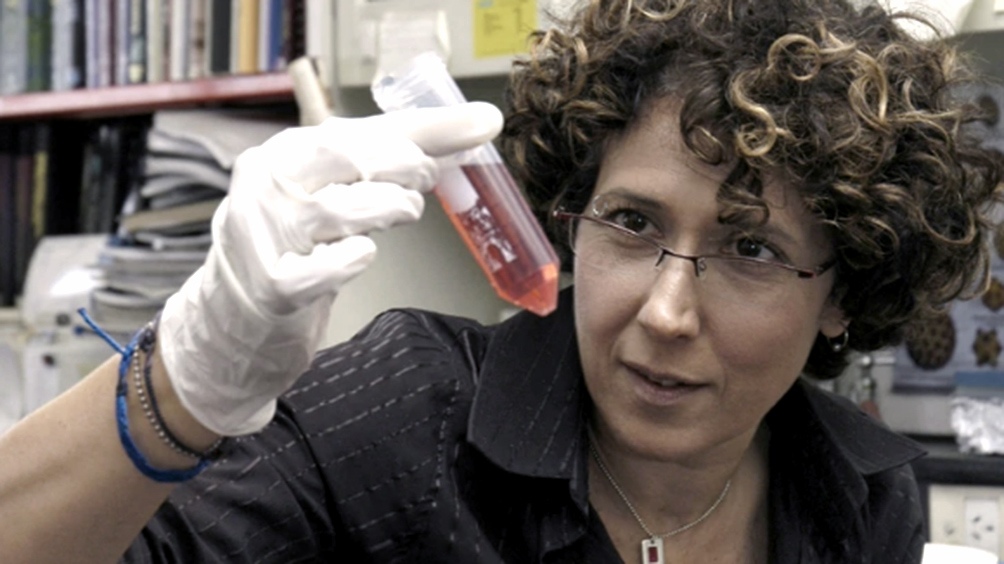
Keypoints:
pixel 122 415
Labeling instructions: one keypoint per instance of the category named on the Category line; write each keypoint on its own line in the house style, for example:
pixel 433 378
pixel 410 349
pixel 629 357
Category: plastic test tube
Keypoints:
pixel 480 196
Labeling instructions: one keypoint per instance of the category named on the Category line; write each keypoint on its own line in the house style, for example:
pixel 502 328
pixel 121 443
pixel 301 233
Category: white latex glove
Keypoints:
pixel 291 231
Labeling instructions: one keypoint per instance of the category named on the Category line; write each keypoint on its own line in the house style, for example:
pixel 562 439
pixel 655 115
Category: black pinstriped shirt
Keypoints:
pixel 429 438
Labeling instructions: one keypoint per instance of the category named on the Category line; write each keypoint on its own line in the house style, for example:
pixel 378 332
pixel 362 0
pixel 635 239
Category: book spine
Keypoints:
pixel 66 60
pixel 198 50
pixel 180 37
pixel 7 207
pixel 276 36
pixel 235 33
pixel 262 42
pixel 218 36
pixel 120 41
pixel 135 42
pixel 39 198
pixel 90 184
pixel 92 73
pixel 40 182
pixel 14 46
pixel 247 37
pixel 39 45
pixel 154 38
pixel 105 41
pixel 24 181
pixel 79 61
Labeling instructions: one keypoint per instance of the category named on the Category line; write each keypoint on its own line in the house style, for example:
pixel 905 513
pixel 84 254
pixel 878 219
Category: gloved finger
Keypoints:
pixel 302 279
pixel 396 159
pixel 339 210
pixel 341 151
pixel 447 130
pixel 395 147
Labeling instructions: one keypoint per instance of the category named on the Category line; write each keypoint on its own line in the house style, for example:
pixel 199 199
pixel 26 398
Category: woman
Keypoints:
pixel 748 191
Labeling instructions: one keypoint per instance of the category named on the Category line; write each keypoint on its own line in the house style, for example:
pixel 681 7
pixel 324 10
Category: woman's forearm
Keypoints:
pixel 68 492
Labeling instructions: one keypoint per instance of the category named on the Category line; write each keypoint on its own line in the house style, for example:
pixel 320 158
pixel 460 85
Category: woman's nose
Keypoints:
pixel 671 308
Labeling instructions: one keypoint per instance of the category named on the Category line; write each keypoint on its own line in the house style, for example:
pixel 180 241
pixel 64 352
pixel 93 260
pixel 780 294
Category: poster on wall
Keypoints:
pixel 967 338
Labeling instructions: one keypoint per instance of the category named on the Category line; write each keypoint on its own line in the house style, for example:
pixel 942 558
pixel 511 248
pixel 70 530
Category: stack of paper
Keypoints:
pixel 164 230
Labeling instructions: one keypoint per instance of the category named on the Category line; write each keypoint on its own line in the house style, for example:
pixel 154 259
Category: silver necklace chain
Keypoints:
pixel 627 502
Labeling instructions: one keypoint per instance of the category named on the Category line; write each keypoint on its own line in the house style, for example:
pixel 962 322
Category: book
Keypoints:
pixel 40 182
pixel 90 197
pixel 24 183
pixel 264 29
pixel 112 165
pixel 218 27
pixel 160 142
pixel 198 213
pixel 179 38
pixel 181 195
pixel 13 46
pixel 120 41
pixel 136 42
pixel 160 241
pixel 225 133
pixel 98 43
pixel 247 37
pixel 67 57
pixel 198 65
pixel 181 171
pixel 7 214
pixel 39 45
pixel 155 41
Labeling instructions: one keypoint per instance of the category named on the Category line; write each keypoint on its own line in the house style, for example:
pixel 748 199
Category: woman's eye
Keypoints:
pixel 630 220
pixel 754 248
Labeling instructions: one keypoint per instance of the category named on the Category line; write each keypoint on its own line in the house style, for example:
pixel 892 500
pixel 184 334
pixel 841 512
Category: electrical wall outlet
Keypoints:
pixel 966 515
pixel 982 526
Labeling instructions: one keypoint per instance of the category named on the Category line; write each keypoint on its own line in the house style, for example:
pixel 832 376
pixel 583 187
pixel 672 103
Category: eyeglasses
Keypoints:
pixel 627 253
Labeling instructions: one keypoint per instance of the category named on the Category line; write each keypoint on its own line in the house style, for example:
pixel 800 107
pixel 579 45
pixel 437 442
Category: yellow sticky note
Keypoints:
pixel 501 27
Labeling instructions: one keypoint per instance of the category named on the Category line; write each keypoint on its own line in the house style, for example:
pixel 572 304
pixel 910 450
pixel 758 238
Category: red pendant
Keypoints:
pixel 651 551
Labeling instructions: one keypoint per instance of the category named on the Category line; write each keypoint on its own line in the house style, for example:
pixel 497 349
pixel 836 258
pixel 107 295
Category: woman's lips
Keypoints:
pixel 661 389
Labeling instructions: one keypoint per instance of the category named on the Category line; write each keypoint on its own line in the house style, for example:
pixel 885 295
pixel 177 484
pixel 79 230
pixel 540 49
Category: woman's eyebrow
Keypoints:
pixel 777 234
pixel 632 197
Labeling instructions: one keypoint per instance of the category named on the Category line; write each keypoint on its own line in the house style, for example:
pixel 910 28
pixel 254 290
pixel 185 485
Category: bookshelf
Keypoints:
pixel 145 98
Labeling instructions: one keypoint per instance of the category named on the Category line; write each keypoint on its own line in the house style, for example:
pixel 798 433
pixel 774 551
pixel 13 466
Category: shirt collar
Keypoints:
pixel 823 449
pixel 529 407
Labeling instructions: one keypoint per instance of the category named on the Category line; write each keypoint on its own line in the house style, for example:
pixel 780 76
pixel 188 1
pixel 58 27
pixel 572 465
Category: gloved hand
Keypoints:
pixel 291 231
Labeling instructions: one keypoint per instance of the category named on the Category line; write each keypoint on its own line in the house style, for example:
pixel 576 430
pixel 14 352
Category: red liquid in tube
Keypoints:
pixel 521 274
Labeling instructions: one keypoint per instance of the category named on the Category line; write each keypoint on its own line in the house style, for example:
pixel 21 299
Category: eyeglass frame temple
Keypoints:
pixel 698 260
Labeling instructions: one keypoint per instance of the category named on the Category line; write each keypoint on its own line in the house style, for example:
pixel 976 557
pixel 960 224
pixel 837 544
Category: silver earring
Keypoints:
pixel 840 342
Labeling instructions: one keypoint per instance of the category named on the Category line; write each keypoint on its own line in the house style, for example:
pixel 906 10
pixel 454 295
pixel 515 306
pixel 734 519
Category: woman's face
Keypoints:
pixel 680 368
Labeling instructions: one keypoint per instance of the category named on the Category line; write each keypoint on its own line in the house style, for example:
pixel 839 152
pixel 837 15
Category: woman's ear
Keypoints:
pixel 832 320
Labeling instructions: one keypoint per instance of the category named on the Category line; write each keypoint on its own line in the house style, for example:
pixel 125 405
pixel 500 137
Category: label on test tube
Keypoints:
pixel 481 198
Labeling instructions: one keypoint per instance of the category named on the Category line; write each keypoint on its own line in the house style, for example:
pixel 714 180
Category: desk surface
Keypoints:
pixel 944 464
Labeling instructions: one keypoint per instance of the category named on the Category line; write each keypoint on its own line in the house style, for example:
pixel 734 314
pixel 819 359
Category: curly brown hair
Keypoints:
pixel 856 112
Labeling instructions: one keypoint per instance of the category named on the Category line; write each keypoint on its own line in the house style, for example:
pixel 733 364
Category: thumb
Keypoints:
pixel 447 130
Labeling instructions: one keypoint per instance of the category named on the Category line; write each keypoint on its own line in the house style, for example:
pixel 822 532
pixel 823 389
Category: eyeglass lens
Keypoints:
pixel 637 259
